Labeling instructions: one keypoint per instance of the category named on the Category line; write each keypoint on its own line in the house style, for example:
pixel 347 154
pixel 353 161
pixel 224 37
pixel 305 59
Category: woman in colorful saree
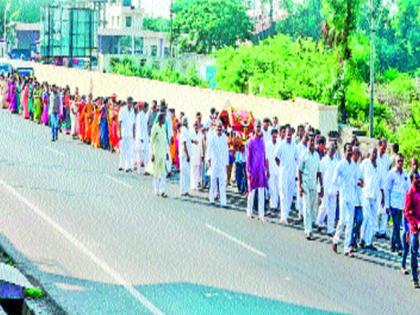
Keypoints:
pixel 37 100
pixel 45 102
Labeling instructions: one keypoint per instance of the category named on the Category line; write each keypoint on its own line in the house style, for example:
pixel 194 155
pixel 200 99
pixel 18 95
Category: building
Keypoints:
pixel 122 32
pixel 25 41
pixel 119 34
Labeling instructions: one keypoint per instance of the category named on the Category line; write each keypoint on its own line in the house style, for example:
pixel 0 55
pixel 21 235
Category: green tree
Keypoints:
pixel 159 24
pixel 302 20
pixel 279 67
pixel 339 26
pixel 27 11
pixel 203 26
pixel 397 33
pixel 407 30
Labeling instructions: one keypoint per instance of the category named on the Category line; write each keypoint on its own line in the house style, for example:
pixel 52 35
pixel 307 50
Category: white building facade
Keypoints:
pixel 122 32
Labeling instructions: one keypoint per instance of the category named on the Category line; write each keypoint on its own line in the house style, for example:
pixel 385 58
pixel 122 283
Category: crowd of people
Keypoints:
pixel 277 168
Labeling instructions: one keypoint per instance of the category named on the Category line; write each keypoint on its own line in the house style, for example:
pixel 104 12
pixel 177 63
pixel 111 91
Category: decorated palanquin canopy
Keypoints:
pixel 240 120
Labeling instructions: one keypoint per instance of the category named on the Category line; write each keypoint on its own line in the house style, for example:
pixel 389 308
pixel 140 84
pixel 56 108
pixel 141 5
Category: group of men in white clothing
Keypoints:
pixel 301 168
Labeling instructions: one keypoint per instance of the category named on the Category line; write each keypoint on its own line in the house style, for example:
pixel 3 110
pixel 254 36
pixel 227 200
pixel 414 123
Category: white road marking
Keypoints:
pixel 116 180
pixel 79 245
pixel 54 151
pixel 233 239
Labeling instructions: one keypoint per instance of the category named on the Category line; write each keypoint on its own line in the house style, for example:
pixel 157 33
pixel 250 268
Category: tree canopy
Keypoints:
pixel 27 11
pixel 308 11
pixel 203 26
pixel 158 24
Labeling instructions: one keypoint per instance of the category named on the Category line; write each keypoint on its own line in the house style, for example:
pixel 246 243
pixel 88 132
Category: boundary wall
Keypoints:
pixel 189 99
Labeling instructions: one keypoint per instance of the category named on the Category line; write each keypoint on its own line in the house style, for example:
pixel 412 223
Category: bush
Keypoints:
pixel 279 67
pixel 168 73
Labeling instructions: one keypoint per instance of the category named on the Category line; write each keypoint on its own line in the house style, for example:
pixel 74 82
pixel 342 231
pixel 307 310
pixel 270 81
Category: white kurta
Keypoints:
pixel 301 148
pixel 142 139
pixel 127 119
pixel 329 200
pixel 73 118
pixel 345 178
pixel 287 153
pixel 273 180
pixel 185 168
pixel 384 164
pixel 267 134
pixel 397 186
pixel 218 156
pixel 371 197
pixel 196 159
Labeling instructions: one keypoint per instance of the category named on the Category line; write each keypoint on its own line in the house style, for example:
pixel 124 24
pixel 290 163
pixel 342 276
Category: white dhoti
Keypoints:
pixel 345 224
pixel 195 175
pixel 328 209
pixel 126 153
pixel 273 190
pixel 286 187
pixel 261 202
pixel 218 183
pixel 370 220
pixel 185 169
pixel 142 154
pixel 74 124
pixel 299 201
pixel 309 206
pixel 159 184
pixel 382 221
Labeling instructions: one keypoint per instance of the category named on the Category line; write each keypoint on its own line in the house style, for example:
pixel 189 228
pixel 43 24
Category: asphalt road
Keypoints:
pixel 100 242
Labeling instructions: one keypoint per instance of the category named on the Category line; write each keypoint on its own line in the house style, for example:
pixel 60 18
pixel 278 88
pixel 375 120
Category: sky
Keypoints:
pixel 156 7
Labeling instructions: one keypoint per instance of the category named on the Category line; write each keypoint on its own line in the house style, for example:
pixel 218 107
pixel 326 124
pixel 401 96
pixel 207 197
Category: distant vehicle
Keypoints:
pixel 25 71
pixel 21 67
pixel 23 54
pixel 5 68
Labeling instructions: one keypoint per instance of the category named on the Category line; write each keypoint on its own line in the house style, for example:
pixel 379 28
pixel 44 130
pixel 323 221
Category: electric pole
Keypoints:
pixel 5 25
pixel 372 66
pixel 171 35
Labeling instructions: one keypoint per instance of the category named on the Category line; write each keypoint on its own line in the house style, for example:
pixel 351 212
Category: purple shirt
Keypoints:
pixel 256 163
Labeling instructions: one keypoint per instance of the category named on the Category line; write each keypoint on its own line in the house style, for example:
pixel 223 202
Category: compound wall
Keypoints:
pixel 189 99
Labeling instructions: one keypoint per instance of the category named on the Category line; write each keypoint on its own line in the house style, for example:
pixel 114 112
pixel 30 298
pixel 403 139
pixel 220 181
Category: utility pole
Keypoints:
pixel 372 66
pixel 171 35
pixel 5 25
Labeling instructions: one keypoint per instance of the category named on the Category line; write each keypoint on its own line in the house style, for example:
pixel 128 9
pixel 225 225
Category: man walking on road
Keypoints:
pixel 412 213
pixel 329 200
pixel 372 186
pixel 185 150
pixel 384 165
pixel 358 204
pixel 142 137
pixel 396 187
pixel 308 174
pixel 127 132
pixel 197 156
pixel 301 149
pixel 257 171
pixel 218 160
pixel 55 111
pixel 160 155
pixel 287 159
pixel 273 182
pixel 346 179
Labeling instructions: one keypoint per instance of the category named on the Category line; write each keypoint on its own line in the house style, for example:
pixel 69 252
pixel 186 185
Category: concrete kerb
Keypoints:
pixel 33 275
